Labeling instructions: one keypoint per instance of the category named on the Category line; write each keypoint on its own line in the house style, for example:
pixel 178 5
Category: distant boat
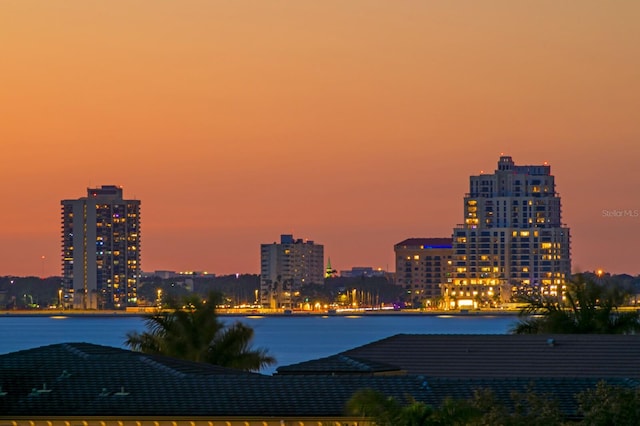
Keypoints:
pixel 288 312
pixel 331 312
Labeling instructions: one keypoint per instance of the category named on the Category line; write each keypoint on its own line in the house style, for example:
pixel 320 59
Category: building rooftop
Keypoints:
pixel 86 381
pixel 426 243
pixel 507 356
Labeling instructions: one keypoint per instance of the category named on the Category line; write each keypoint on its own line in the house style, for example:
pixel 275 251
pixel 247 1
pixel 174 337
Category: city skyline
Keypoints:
pixel 355 125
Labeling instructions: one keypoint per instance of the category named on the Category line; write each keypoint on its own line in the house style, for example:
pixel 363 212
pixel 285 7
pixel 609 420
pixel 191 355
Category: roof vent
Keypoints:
pixel 551 342
pixel 2 393
pixel 35 392
pixel 104 392
pixel 122 392
pixel 65 375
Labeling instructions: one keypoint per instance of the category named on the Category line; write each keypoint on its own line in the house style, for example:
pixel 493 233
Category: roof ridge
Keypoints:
pixel 76 351
pixel 160 366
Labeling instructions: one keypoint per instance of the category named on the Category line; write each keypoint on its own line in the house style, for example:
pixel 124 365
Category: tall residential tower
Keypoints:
pixel 512 238
pixel 101 250
pixel 285 267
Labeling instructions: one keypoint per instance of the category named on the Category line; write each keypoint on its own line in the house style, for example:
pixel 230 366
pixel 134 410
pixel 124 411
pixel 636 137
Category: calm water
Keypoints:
pixel 289 339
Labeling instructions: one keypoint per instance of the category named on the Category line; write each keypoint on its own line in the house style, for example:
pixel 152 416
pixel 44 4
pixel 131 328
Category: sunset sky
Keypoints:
pixel 352 123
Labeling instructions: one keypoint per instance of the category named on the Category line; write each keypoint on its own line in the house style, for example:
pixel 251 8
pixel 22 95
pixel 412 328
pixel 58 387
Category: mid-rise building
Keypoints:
pixel 512 238
pixel 423 267
pixel 100 250
pixel 286 266
pixel 363 271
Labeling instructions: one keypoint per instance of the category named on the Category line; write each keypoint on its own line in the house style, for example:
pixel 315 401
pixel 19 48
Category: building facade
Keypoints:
pixel 100 250
pixel 285 267
pixel 363 271
pixel 423 267
pixel 512 239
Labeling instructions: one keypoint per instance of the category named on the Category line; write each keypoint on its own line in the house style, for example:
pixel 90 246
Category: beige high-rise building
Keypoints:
pixel 287 266
pixel 423 266
pixel 100 250
pixel 512 239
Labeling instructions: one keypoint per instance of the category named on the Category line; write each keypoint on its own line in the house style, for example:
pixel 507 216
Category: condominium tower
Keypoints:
pixel 512 238
pixel 423 265
pixel 285 267
pixel 100 250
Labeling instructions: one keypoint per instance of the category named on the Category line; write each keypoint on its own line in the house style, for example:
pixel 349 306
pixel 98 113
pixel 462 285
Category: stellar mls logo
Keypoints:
pixel 621 213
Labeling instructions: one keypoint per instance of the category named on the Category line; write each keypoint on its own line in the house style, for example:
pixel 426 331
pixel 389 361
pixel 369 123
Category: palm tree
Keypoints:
pixel 193 331
pixel 588 308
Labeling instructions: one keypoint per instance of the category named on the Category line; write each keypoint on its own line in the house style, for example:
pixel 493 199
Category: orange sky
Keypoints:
pixel 352 123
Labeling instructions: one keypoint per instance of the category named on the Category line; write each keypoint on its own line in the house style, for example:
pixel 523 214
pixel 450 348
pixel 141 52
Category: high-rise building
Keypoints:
pixel 285 267
pixel 423 266
pixel 512 238
pixel 101 250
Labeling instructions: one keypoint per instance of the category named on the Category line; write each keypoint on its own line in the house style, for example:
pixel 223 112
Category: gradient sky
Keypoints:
pixel 352 123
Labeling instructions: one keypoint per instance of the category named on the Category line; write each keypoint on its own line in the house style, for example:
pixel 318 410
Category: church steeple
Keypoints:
pixel 329 271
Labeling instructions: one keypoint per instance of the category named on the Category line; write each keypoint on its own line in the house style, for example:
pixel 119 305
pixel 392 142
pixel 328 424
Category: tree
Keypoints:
pixel 388 411
pixel 610 405
pixel 587 308
pixel 193 331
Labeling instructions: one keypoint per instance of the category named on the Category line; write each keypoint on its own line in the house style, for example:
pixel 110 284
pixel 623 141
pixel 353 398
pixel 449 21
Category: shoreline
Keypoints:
pixel 115 314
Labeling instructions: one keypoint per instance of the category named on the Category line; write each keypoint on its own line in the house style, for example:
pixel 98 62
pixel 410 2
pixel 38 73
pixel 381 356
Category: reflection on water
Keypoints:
pixel 291 339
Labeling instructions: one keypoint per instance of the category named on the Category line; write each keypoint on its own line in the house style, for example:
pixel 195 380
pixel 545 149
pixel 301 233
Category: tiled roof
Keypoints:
pixel 477 356
pixel 427 242
pixel 339 364
pixel 90 380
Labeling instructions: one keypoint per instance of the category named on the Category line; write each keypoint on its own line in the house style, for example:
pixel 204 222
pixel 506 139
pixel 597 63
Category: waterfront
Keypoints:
pixel 290 339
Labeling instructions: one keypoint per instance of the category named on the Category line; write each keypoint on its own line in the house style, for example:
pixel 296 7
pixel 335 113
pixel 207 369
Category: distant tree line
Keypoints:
pixel 35 292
